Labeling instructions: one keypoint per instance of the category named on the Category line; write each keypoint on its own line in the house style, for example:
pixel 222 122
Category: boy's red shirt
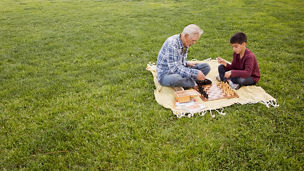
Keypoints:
pixel 245 67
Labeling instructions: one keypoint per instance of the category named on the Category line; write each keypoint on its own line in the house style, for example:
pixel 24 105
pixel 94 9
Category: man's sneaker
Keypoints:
pixel 233 86
pixel 203 82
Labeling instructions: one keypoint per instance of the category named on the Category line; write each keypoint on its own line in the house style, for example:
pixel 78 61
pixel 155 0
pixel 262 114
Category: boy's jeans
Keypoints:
pixel 176 80
pixel 235 80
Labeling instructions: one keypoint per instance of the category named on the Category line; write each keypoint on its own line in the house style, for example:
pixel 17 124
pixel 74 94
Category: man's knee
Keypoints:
pixel 208 68
pixel 205 68
pixel 172 80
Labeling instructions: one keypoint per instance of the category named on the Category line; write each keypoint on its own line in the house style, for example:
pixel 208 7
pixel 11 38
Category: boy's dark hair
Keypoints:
pixel 239 38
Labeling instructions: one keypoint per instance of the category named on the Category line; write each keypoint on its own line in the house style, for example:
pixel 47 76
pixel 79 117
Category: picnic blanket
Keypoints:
pixel 247 95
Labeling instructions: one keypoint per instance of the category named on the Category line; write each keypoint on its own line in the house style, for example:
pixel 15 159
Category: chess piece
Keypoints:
pixel 203 92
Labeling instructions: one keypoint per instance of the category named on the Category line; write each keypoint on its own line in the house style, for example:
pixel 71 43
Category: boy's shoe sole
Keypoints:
pixel 218 78
pixel 234 86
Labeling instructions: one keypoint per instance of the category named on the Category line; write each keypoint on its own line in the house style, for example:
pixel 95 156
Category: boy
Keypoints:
pixel 244 68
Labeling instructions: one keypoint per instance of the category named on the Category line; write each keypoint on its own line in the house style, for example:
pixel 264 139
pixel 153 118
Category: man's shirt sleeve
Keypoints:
pixel 176 66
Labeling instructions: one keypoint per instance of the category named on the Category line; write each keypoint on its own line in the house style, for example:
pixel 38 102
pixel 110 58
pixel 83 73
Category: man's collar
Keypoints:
pixel 180 41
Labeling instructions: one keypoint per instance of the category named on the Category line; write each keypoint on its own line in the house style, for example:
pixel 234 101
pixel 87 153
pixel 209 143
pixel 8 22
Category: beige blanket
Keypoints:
pixel 247 94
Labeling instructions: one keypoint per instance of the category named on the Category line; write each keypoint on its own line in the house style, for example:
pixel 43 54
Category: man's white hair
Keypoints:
pixel 192 29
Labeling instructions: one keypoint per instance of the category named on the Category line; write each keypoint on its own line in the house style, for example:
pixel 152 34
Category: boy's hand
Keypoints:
pixel 227 74
pixel 200 76
pixel 221 61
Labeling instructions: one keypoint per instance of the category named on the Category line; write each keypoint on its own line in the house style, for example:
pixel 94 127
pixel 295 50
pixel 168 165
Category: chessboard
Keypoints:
pixel 218 91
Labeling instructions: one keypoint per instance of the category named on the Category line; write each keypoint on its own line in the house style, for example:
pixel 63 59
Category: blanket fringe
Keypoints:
pixel 221 111
pixel 150 65
pixel 211 114
pixel 180 114
pixel 270 103
pixel 202 113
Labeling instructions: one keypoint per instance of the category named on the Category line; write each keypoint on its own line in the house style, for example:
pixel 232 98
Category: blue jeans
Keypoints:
pixel 176 80
pixel 236 80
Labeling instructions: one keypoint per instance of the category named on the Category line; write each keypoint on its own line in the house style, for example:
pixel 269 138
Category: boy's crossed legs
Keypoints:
pixel 235 80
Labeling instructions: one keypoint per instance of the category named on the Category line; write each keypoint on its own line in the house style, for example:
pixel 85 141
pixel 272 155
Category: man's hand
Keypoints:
pixel 200 76
pixel 227 74
pixel 221 61
pixel 191 64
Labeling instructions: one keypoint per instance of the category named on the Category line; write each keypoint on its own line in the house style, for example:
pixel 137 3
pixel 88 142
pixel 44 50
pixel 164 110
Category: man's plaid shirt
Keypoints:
pixel 172 60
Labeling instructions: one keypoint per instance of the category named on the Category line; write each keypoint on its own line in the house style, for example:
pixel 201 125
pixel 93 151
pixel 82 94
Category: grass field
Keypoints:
pixel 74 92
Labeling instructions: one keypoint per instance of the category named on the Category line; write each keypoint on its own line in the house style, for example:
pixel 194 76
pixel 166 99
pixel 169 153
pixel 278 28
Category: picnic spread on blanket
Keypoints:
pixel 212 97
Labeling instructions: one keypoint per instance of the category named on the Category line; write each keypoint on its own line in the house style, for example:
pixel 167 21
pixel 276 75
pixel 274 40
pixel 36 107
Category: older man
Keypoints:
pixel 173 69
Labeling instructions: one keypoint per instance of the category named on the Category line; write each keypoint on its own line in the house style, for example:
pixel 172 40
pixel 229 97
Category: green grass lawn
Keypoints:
pixel 75 94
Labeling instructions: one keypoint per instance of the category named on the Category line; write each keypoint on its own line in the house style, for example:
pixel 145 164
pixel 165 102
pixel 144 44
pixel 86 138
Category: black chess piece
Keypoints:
pixel 203 92
pixel 203 82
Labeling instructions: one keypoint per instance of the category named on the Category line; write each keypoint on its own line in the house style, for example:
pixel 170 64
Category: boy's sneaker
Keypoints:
pixel 233 86
pixel 218 78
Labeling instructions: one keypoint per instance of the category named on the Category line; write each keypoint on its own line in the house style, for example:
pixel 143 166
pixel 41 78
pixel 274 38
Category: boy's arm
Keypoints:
pixel 228 67
pixel 224 62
